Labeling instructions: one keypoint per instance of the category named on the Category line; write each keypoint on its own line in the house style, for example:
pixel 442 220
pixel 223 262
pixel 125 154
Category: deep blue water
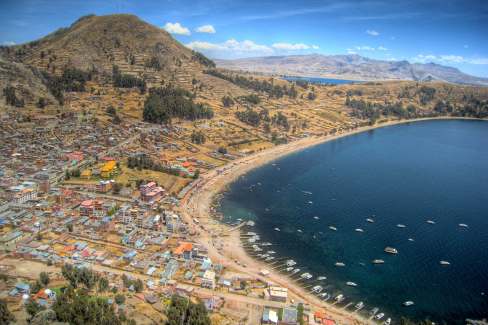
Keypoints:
pixel 317 80
pixel 407 174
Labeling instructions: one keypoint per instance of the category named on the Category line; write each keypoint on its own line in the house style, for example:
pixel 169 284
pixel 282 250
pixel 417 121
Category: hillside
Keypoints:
pixel 353 67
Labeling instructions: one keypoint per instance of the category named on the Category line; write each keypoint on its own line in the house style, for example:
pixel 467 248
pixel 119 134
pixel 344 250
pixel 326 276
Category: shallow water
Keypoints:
pixel 403 174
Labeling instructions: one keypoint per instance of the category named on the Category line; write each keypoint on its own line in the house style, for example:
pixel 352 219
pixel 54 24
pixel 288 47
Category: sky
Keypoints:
pixel 448 32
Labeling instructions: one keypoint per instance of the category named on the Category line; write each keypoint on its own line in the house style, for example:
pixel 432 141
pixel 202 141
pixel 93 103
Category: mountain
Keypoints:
pixel 353 67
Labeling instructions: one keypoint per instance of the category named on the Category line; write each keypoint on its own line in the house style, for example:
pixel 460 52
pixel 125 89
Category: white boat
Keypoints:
pixel 378 261
pixel 325 295
pixel 359 305
pixel 387 321
pixel 310 202
pixel 444 263
pixel 316 218
pixel 369 220
pixel 277 229
pixel 269 258
pixel 322 278
pixel 339 298
pixel 289 269
pixel 430 222
pixel 411 239
pixel 391 250
pixel 359 230
pixel 401 225
pixel 290 263
pixel 271 252
pixel 295 271
pixel 351 284
pixel 306 276
pixel 379 316
pixel 408 303
pixel 317 289
pixel 340 264
pixel 299 230
pixel 333 228
pixel 463 225
pixel 374 311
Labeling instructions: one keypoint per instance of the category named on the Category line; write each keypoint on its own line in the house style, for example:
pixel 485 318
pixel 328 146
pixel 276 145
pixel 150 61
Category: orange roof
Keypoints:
pixel 184 247
pixel 186 164
pixel 108 166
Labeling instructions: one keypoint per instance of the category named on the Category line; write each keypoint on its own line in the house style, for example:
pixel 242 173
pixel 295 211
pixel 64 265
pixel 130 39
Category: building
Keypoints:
pixel 108 169
pixel 24 192
pixel 208 279
pixel 8 240
pixel 184 250
pixel 278 294
pixel 270 316
pixel 290 316
pixel 150 192
pixel 90 208
pixel 104 186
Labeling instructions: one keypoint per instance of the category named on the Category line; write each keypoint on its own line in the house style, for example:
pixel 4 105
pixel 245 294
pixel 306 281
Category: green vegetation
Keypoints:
pixel 274 91
pixel 72 79
pixel 227 101
pixel 163 104
pixel 10 97
pixel 184 312
pixel 249 116
pixel 154 63
pixel 76 276
pixel 123 80
pixel 198 137
pixel 203 59
pixel 372 111
pixel 426 94
pixel 251 99
pixel 6 317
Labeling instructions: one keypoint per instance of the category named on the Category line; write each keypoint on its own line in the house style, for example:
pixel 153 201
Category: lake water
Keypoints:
pixel 317 80
pixel 405 174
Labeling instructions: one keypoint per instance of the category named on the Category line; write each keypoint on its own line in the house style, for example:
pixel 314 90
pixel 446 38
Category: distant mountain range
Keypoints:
pixel 354 67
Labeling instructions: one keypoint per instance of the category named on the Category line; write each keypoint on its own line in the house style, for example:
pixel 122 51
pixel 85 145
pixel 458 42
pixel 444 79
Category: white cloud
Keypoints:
pixel 381 48
pixel 351 51
pixel 176 28
pixel 209 29
pixel 293 47
pixel 368 48
pixel 231 47
pixel 365 48
pixel 372 32
pixel 8 43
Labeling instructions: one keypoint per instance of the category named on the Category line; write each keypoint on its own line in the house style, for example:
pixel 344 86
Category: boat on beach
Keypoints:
pixel 340 297
pixel 359 305
pixel 387 321
pixel 290 263
pixel 317 289
pixel 306 276
pixel 374 311
pixel 379 316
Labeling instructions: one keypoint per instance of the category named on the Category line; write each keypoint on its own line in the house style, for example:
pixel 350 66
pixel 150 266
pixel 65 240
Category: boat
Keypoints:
pixel 306 276
pixel 463 225
pixel 411 239
pixel 333 228
pixel 359 230
pixel 269 258
pixel 408 303
pixel 310 202
pixel 299 230
pixel 316 218
pixel 430 222
pixel 324 295
pixel 351 284
pixel 322 278
pixel 339 297
pixel 444 263
pixel 295 271
pixel 369 220
pixel 379 316
pixel 271 252
pixel 317 289
pixel 391 250
pixel 387 321
pixel 401 225
pixel 374 311
pixel 277 229
pixel 289 269
pixel 290 263
pixel 378 261
pixel 265 255
pixel 340 264
pixel 359 305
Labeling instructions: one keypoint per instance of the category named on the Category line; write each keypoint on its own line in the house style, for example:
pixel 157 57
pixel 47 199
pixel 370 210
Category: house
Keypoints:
pixel 208 279
pixel 86 174
pixel 9 239
pixel 150 192
pixel 108 169
pixel 184 250
pixel 24 192
pixel 270 316
pixel 278 294
pixel 289 317
pixel 104 186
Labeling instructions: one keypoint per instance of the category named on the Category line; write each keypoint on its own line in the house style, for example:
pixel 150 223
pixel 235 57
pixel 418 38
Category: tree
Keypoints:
pixel 6 317
pixel 111 110
pixel 102 284
pixel 41 103
pixel 70 227
pixel 183 311
pixel 32 308
pixel 44 278
pixel 116 188
pixel 227 101
pixel 11 98
pixel 222 150
pixel 138 285
pixel 119 299
pixel 198 137
pixel 311 96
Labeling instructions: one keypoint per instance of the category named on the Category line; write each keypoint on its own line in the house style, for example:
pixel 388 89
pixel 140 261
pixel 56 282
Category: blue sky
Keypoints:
pixel 448 32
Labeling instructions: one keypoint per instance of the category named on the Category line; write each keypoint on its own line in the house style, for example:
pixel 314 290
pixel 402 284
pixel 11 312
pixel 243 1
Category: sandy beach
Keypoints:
pixel 224 243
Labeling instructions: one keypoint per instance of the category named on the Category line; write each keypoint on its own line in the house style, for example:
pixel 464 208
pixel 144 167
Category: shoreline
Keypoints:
pixel 225 245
